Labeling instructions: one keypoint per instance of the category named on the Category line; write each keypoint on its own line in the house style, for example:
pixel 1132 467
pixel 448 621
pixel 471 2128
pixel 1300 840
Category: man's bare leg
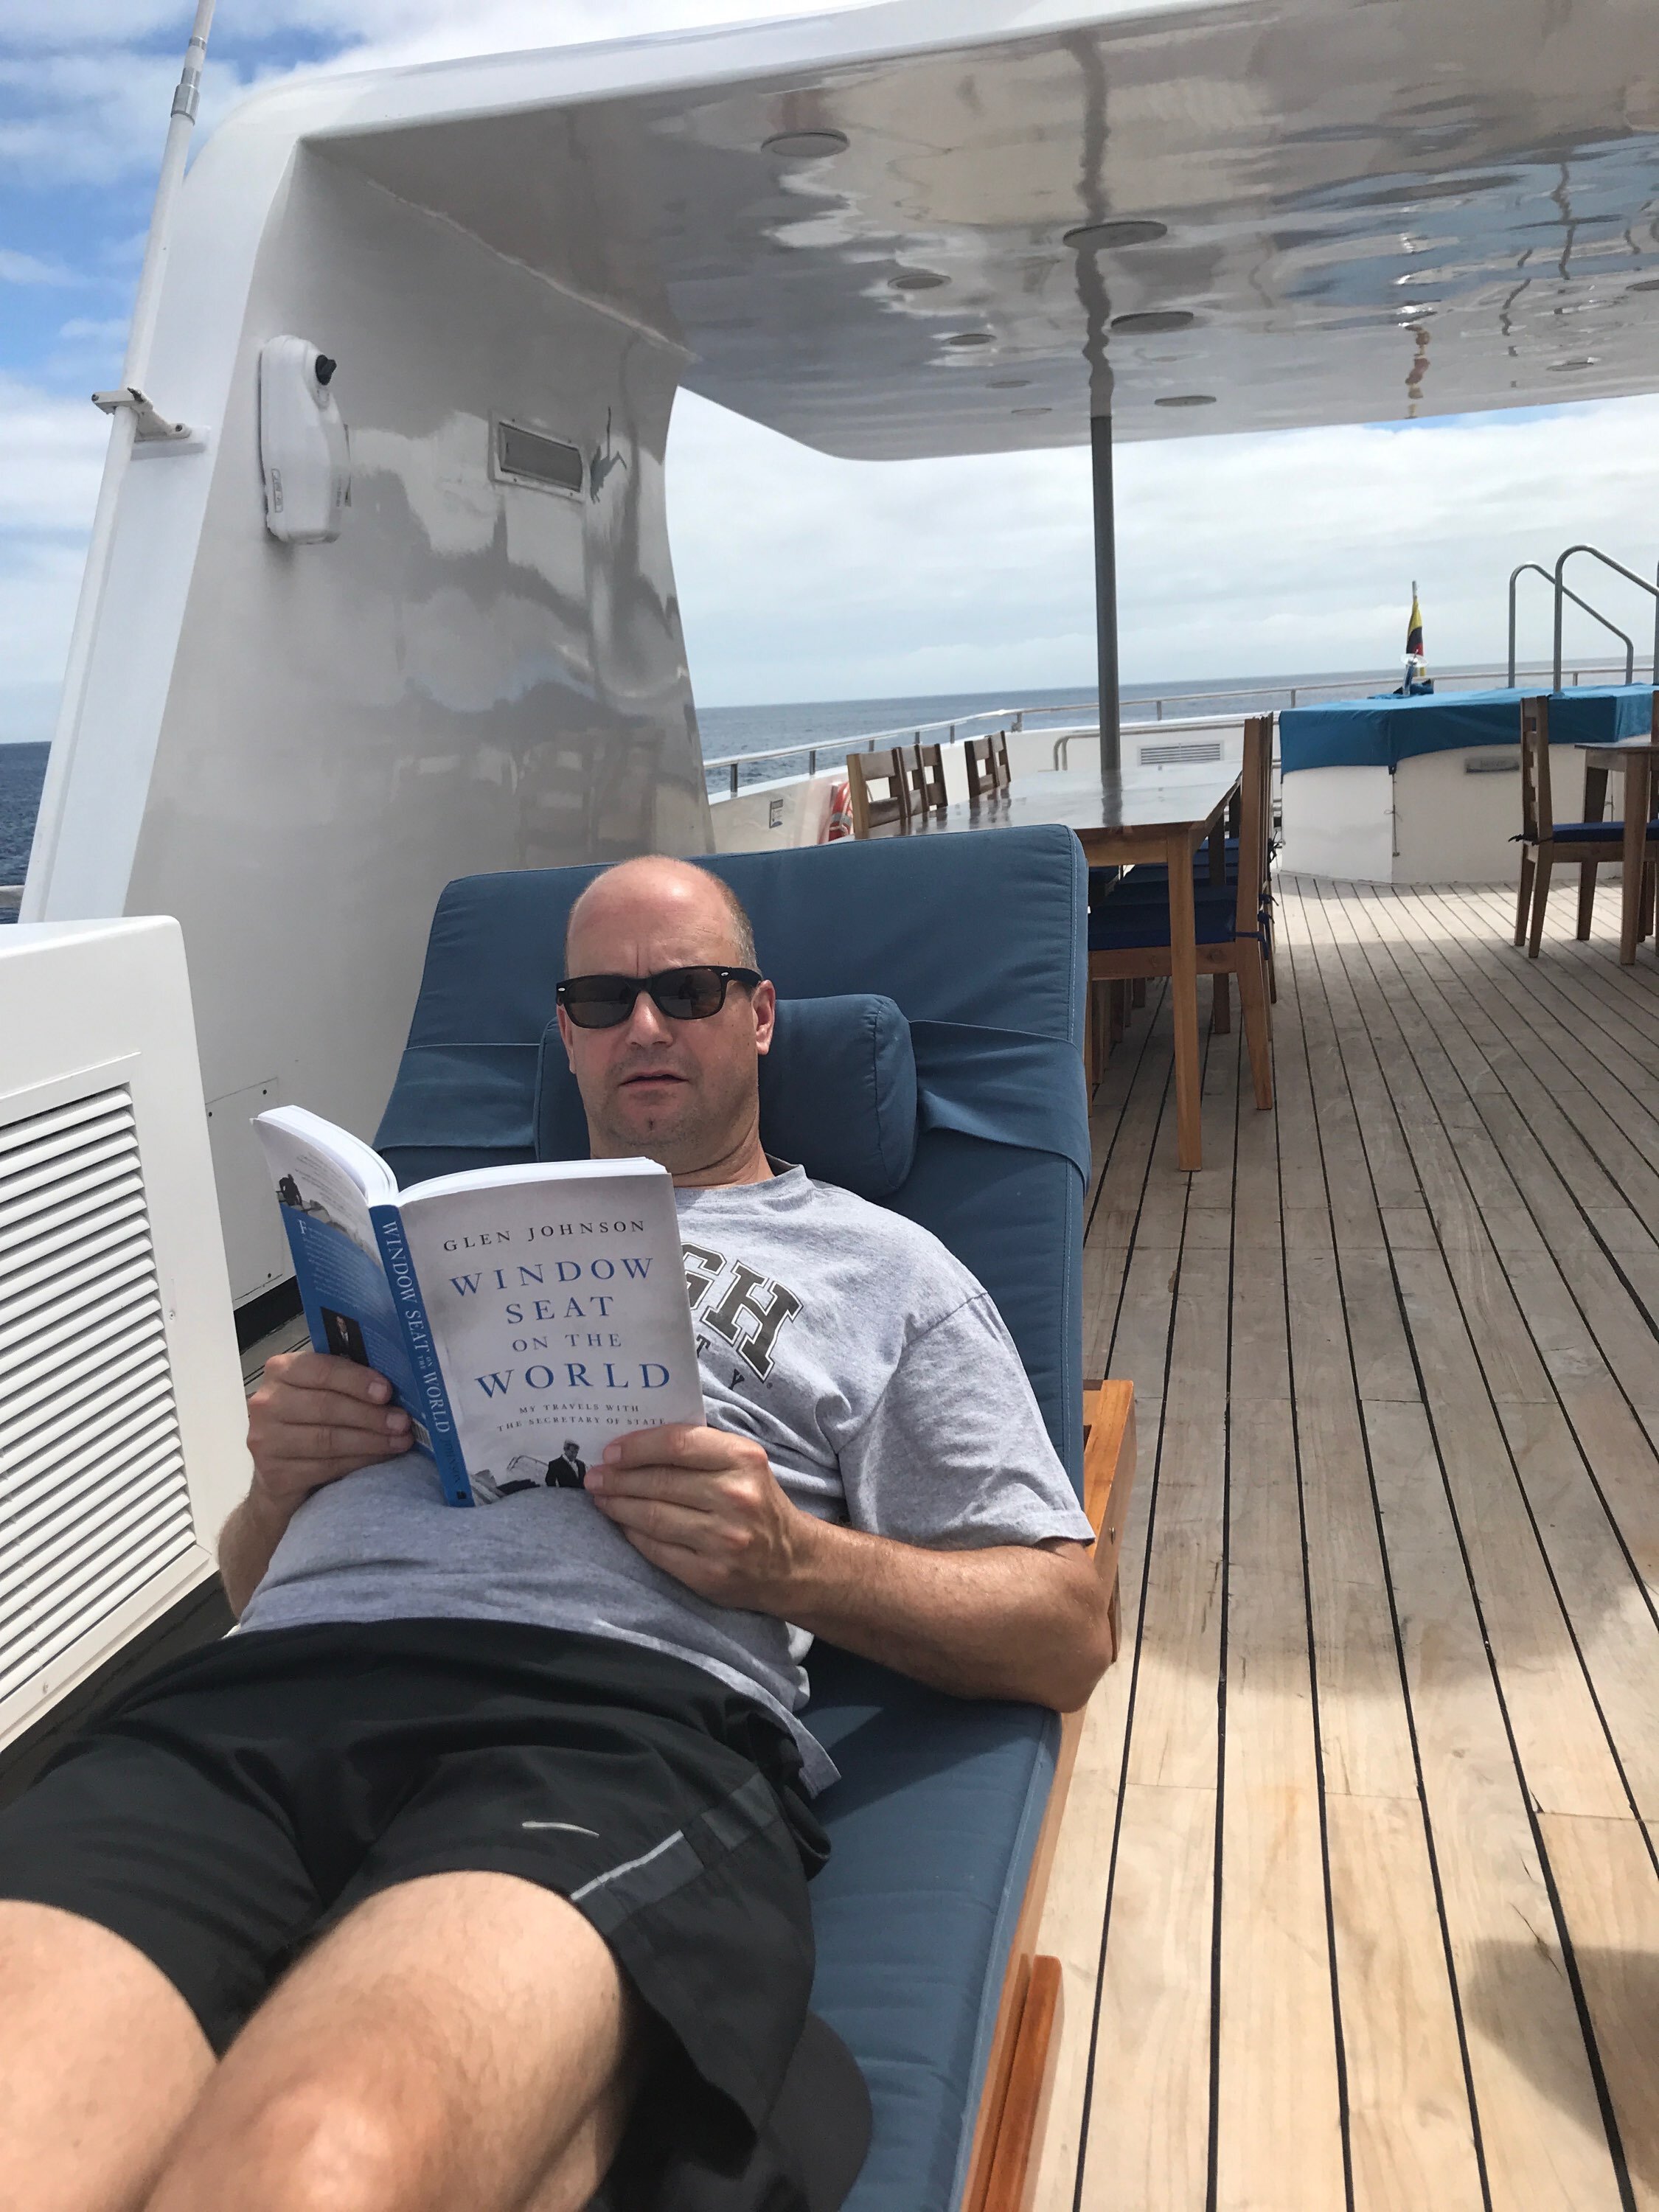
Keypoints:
pixel 100 2061
pixel 460 2040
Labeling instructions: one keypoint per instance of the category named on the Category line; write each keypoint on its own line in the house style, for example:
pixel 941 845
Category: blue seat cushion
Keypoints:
pixel 837 1093
pixel 1122 924
pixel 914 1912
pixel 1588 833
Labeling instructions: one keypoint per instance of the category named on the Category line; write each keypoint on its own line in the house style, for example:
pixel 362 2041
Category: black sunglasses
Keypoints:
pixel 684 994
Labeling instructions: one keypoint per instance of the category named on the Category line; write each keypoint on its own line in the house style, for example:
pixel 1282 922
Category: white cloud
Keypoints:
pixel 805 578
pixel 28 269
pixel 91 81
pixel 52 455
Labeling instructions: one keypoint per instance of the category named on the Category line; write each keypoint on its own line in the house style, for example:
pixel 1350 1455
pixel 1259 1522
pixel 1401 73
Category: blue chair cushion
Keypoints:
pixel 935 1820
pixel 1122 924
pixel 1148 876
pixel 837 1093
pixel 1586 833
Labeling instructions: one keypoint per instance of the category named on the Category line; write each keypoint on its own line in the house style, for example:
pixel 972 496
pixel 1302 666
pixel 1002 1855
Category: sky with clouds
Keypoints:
pixel 1291 554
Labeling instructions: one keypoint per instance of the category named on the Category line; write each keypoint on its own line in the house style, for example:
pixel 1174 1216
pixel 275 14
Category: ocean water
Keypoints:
pixel 829 725
pixel 22 772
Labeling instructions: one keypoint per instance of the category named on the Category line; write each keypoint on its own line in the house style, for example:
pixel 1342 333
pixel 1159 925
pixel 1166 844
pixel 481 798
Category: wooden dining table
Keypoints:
pixel 1121 816
pixel 1634 758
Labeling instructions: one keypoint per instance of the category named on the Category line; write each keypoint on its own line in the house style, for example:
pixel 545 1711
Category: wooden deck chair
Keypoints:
pixel 1129 926
pixel 966 1114
pixel 924 768
pixel 987 760
pixel 872 804
pixel 1586 845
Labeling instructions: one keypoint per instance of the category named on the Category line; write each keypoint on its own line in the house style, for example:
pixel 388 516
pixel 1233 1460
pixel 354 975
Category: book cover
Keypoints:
pixel 523 1315
pixel 560 1312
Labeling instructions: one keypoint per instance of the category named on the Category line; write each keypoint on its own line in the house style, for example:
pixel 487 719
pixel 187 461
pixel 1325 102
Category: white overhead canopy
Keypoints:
pixel 1370 209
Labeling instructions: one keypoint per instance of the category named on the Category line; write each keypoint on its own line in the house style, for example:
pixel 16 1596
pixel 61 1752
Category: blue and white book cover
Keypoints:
pixel 524 1316
pixel 556 1297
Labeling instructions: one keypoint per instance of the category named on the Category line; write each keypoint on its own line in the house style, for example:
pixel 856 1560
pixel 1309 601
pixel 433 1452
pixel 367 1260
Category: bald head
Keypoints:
pixel 682 1089
pixel 682 893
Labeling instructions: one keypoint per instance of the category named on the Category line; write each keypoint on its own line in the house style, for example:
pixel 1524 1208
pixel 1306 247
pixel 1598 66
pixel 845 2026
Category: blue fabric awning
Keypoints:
pixel 1381 732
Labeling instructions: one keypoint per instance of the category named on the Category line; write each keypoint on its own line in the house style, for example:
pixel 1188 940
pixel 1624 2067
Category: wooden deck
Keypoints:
pixel 1357 1897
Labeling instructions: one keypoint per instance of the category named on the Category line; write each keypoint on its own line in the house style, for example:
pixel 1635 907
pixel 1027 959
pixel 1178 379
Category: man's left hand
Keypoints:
pixel 706 1507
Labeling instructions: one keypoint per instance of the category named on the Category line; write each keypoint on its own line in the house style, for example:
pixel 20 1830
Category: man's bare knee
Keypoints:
pixel 100 2060
pixel 311 2145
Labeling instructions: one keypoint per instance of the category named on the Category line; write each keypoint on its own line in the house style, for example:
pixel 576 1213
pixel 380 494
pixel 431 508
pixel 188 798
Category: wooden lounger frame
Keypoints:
pixel 1020 2075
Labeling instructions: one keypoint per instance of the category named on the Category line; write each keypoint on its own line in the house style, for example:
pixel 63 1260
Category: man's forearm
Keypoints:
pixel 246 1545
pixel 1006 1622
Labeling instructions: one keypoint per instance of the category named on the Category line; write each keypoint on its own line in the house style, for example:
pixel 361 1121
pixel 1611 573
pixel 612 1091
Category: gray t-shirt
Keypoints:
pixel 872 1367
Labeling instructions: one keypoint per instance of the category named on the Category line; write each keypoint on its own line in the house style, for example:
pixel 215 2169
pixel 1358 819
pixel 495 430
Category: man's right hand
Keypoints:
pixel 315 1417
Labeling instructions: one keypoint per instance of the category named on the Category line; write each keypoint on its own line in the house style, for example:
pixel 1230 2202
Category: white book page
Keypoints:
pixel 557 1302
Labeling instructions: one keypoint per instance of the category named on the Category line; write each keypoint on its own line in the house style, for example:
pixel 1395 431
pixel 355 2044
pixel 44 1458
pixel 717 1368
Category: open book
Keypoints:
pixel 523 1315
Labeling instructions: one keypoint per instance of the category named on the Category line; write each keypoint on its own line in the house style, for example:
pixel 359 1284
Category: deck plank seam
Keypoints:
pixel 1344 2122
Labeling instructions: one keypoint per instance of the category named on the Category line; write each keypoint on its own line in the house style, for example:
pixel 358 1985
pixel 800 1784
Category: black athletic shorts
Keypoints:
pixel 239 1802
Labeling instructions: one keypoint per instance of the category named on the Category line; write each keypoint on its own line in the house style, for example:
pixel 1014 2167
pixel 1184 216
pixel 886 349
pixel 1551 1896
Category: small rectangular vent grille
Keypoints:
pixel 532 457
pixel 1179 750
pixel 92 1500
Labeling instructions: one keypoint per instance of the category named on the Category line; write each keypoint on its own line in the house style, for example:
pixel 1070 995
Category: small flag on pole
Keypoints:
pixel 1414 629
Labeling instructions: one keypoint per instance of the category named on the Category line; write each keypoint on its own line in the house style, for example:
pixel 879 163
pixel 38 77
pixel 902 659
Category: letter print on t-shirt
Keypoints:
pixel 744 1309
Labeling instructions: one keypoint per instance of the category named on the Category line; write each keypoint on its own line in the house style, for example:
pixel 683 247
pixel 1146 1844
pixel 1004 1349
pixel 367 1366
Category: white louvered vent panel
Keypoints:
pixel 72 1309
pixel 45 1431
pixel 48 1468
pixel 52 1228
pixel 1174 751
pixel 52 1377
pixel 93 1498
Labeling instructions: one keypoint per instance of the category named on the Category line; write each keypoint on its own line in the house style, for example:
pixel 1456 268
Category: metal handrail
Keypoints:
pixel 1619 569
pixel 1013 719
pixel 1534 568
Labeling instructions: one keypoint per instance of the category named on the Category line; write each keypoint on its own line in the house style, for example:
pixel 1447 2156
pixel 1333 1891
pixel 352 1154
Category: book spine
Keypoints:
pixel 305 1281
pixel 433 1410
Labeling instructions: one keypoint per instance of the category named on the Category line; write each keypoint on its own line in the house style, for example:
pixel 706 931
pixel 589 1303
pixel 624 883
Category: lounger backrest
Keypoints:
pixel 995 1019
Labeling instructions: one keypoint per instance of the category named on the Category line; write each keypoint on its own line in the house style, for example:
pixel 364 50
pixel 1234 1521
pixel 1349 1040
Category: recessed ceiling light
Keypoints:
pixel 1031 410
pixel 917 280
pixel 806 145
pixel 1154 319
pixel 970 339
pixel 1185 399
pixel 1584 361
pixel 1006 383
pixel 1139 230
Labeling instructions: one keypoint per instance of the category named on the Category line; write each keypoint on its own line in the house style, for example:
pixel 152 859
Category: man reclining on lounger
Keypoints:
pixel 385 1904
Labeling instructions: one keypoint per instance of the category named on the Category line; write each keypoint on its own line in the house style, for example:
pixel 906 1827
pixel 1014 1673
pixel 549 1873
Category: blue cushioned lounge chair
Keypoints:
pixel 948 1085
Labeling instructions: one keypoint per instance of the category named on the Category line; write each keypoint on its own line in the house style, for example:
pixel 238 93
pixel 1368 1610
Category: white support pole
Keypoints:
pixel 124 424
